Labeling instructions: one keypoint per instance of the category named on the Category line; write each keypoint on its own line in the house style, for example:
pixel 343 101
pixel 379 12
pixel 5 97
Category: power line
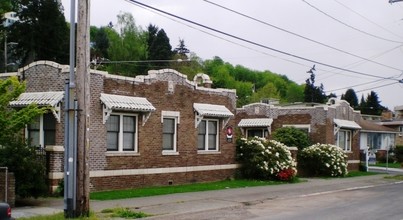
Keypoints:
pixel 252 42
pixel 345 24
pixel 219 37
pixel 365 18
pixel 378 87
pixel 361 62
pixel 298 35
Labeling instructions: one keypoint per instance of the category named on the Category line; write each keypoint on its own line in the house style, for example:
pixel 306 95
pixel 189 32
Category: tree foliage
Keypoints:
pixel 41 32
pixel 371 105
pixel 158 48
pixel 15 153
pixel 351 97
pixel 313 93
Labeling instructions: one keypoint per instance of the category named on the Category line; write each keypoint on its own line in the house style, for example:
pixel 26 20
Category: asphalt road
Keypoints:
pixel 380 202
pixel 372 203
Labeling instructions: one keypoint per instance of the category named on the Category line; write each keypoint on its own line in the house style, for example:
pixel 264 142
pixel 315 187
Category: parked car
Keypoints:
pixel 5 211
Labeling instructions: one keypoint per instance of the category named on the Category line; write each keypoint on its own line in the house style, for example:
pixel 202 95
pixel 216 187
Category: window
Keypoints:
pixel 121 132
pixel 208 135
pixel 343 139
pixel 257 132
pixel 42 131
pixel 170 121
pixel 400 130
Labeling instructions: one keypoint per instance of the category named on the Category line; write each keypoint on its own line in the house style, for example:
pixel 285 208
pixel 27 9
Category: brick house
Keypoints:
pixel 331 123
pixel 158 129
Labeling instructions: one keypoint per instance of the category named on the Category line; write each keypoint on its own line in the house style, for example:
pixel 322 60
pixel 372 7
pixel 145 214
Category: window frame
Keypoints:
pixel 207 135
pixel 121 133
pixel 348 139
pixel 264 130
pixel 176 117
pixel 41 130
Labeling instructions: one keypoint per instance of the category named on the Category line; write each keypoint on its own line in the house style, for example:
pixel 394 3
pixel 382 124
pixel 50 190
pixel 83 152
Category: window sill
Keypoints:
pixel 208 152
pixel 119 154
pixel 169 153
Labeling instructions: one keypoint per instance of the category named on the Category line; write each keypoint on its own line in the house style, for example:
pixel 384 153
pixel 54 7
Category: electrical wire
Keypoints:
pixel 367 19
pixel 252 42
pixel 218 37
pixel 347 25
pixel 298 35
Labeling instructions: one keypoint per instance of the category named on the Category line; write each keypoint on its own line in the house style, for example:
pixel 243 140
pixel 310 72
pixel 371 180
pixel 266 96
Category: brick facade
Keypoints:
pixel 319 118
pixel 167 90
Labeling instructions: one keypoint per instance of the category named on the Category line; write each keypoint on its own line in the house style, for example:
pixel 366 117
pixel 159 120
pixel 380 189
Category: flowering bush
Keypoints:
pixel 264 159
pixel 323 160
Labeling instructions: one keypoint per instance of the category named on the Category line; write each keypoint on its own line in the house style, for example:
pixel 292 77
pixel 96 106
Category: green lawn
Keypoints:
pixel 391 165
pixel 163 190
pixel 355 173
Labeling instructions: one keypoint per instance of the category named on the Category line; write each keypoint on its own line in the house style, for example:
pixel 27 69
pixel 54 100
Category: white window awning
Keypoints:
pixel 52 99
pixel 209 110
pixel 339 123
pixel 125 103
pixel 255 122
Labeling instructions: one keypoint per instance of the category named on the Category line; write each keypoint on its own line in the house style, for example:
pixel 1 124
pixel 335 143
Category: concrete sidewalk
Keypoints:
pixel 167 206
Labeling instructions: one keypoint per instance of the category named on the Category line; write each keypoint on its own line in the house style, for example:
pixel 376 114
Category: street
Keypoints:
pixel 374 202
pixel 380 202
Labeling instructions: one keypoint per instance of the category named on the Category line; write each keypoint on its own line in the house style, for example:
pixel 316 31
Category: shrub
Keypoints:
pixel 399 153
pixel 264 159
pixel 292 137
pixel 323 160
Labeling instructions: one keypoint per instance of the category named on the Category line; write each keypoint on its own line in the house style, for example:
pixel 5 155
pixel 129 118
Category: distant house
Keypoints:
pixel 155 129
pixel 375 136
pixel 331 123
pixel 396 123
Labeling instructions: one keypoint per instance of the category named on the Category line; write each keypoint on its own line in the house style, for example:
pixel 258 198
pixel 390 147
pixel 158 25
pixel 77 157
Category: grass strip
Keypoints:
pixel 164 190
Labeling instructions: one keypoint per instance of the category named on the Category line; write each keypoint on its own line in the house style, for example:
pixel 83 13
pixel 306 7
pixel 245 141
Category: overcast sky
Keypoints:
pixel 363 37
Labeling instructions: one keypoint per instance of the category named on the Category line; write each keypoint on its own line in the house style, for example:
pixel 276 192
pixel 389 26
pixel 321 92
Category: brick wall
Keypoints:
pixel 167 90
pixel 10 187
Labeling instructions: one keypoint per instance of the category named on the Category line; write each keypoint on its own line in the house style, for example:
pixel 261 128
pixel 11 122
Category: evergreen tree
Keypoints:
pixel 159 47
pixel 181 50
pixel 313 93
pixel 372 105
pixel 351 97
pixel 41 32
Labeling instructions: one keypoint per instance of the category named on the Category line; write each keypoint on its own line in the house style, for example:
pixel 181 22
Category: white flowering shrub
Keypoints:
pixel 323 160
pixel 265 159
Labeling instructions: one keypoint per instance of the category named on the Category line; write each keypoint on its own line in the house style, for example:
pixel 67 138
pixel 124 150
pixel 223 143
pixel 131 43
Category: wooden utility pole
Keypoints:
pixel 84 102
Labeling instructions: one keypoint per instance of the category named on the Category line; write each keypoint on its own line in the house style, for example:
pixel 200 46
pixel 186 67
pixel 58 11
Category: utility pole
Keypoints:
pixel 84 102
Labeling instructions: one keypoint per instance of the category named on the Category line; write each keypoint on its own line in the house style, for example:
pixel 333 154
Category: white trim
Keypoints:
pixel 120 135
pixel 55 175
pixel 206 138
pixel 353 161
pixel 176 117
pixel 348 139
pixel 54 148
pixel 263 129
pixel 164 170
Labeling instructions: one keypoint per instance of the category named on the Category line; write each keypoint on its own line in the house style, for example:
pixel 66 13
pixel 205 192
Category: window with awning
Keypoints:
pixel 127 104
pixel 51 99
pixel 252 127
pixel 203 110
